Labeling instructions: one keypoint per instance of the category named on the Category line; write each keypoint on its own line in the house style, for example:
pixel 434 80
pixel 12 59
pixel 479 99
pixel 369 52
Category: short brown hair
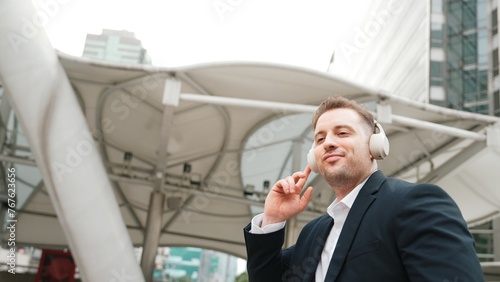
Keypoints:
pixel 339 102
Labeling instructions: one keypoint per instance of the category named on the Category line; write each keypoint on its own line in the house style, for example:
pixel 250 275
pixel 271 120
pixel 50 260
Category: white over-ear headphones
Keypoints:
pixel 379 143
pixel 379 148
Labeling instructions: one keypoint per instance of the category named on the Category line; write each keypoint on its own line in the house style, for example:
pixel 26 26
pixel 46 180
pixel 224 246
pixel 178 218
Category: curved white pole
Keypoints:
pixel 65 152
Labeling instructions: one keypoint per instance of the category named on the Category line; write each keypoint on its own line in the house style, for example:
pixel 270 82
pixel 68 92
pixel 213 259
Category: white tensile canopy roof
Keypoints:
pixel 236 126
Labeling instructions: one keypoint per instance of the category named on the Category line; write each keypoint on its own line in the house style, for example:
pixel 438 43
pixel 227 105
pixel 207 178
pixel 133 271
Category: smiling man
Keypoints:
pixel 377 229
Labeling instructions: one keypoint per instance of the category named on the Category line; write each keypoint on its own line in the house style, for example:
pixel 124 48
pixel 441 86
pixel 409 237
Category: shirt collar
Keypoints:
pixel 348 200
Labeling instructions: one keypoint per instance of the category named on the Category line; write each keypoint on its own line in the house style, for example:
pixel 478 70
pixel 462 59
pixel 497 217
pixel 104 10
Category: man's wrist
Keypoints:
pixel 257 226
pixel 266 220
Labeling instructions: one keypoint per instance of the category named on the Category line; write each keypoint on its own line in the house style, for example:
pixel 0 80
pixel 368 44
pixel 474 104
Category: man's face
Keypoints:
pixel 341 147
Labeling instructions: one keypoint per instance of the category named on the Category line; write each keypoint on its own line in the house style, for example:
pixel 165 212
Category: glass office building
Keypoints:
pixel 459 30
pixel 443 52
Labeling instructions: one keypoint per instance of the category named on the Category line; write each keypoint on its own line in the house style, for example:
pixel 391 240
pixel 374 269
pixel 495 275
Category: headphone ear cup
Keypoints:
pixel 379 144
pixel 311 160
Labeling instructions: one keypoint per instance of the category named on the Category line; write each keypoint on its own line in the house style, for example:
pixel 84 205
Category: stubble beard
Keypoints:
pixel 340 179
pixel 344 179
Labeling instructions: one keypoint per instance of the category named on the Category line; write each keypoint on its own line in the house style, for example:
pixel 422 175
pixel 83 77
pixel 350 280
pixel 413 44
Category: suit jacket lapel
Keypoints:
pixel 358 209
pixel 317 244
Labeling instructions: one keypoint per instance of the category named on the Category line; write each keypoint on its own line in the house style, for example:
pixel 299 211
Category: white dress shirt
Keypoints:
pixel 338 210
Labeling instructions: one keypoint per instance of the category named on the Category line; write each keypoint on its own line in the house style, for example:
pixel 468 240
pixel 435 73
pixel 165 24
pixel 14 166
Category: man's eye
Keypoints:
pixel 343 133
pixel 319 140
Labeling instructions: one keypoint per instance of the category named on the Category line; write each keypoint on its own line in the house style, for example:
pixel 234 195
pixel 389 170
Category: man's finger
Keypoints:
pixel 306 197
pixel 303 177
pixel 307 170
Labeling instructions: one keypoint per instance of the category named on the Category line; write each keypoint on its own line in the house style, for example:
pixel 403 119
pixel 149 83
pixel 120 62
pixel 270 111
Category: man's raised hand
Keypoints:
pixel 284 200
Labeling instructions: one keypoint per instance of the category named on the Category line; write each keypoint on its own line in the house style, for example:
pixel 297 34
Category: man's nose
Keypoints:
pixel 331 142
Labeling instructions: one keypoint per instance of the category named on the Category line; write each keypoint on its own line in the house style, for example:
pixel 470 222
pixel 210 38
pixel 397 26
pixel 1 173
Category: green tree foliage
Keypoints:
pixel 243 277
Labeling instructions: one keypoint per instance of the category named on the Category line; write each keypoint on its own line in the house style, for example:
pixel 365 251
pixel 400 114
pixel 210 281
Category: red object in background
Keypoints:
pixel 56 266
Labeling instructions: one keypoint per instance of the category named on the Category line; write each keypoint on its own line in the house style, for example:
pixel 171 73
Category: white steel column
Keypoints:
pixel 171 94
pixel 496 238
pixel 289 107
pixel 152 234
pixel 66 154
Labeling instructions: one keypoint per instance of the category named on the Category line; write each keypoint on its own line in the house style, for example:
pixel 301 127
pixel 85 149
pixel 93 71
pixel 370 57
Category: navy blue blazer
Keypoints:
pixel 395 231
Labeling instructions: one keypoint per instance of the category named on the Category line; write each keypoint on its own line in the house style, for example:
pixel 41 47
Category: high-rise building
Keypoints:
pixel 200 265
pixel 116 46
pixel 462 73
pixel 217 266
pixel 184 262
pixel 443 52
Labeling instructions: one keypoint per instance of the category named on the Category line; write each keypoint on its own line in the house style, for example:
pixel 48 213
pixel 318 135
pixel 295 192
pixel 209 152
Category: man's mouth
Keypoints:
pixel 332 157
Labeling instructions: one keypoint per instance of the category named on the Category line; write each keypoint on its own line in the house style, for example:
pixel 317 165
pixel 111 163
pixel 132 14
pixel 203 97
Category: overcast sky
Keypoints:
pixel 296 32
